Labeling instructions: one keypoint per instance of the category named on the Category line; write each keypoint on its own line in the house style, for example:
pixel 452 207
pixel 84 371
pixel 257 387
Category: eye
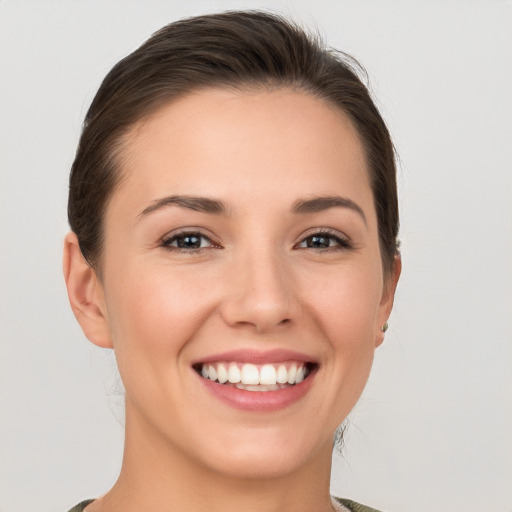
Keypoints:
pixel 325 240
pixel 189 241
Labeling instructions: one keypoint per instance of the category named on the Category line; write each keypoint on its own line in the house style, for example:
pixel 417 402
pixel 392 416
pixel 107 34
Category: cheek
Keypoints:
pixel 343 307
pixel 154 315
pixel 156 310
pixel 347 300
pixel 346 309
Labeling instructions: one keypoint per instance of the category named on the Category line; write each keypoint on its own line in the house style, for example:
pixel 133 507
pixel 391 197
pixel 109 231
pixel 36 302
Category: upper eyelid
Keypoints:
pixel 335 233
pixel 187 231
pixel 344 241
pixel 166 242
pixel 324 231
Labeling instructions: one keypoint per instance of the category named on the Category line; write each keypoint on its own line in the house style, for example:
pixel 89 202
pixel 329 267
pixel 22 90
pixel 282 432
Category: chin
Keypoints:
pixel 264 466
pixel 266 456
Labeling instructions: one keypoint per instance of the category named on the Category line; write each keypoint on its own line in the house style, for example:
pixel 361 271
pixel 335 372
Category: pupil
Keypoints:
pixel 189 241
pixel 318 242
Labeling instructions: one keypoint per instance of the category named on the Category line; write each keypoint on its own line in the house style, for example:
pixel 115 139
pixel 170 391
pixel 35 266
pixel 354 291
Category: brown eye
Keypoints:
pixel 319 242
pixel 324 241
pixel 188 241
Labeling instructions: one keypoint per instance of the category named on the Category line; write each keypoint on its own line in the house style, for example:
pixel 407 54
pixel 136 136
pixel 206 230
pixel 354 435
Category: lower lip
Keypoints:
pixel 258 401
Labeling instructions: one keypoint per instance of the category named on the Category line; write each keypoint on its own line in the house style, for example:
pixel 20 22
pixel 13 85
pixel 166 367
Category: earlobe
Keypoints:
pixel 387 300
pixel 85 294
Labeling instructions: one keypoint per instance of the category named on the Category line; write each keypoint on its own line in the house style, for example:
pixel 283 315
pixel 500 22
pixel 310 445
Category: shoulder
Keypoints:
pixel 80 506
pixel 355 507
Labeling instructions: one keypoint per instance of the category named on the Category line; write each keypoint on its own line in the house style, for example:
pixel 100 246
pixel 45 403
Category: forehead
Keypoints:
pixel 245 144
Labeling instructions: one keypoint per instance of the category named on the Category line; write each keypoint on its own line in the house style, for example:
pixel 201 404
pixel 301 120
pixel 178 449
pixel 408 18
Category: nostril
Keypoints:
pixel 262 304
pixel 262 320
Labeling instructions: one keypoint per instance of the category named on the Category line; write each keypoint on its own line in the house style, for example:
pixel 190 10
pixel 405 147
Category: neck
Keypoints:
pixel 158 477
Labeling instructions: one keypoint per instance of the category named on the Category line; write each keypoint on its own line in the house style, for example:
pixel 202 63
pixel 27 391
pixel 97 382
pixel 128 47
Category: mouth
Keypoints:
pixel 256 377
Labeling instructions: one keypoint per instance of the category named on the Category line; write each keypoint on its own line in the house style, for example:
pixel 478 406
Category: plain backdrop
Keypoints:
pixel 433 429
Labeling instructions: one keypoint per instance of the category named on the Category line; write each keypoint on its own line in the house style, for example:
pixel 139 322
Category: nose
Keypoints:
pixel 261 293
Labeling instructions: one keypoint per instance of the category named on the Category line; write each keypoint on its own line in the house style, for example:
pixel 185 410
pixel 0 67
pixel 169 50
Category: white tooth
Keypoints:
pixel 222 373
pixel 233 373
pixel 282 374
pixel 292 374
pixel 249 387
pixel 250 374
pixel 212 373
pixel 300 375
pixel 259 388
pixel 268 375
pixel 204 371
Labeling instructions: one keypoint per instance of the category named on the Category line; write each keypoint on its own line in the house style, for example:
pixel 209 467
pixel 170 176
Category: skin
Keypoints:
pixel 256 286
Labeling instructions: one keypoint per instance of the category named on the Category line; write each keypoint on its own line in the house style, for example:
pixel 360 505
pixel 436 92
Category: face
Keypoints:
pixel 242 280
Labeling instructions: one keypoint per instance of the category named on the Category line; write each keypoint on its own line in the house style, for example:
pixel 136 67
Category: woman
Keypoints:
pixel 234 239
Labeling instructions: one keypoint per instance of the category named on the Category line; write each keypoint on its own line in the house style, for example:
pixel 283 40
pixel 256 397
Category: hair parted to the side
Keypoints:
pixel 241 50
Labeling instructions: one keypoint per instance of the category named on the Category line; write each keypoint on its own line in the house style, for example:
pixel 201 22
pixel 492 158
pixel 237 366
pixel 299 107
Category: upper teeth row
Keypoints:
pixel 267 374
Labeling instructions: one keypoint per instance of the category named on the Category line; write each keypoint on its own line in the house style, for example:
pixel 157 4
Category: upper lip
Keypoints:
pixel 276 355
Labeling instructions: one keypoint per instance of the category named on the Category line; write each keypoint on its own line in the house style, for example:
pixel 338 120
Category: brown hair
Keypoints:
pixel 231 49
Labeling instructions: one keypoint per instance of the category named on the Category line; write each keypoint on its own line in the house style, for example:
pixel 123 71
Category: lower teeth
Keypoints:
pixel 260 387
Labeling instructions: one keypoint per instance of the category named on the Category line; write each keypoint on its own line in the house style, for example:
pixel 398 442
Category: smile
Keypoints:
pixel 257 381
pixel 254 377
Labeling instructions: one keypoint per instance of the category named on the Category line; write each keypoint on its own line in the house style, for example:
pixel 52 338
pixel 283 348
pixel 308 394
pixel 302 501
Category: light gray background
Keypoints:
pixel 433 430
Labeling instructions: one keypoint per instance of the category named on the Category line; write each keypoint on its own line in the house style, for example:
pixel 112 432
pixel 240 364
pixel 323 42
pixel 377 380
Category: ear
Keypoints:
pixel 388 296
pixel 85 294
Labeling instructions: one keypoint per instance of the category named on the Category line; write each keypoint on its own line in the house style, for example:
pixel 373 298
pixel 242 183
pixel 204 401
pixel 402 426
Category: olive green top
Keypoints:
pixel 355 507
pixel 351 505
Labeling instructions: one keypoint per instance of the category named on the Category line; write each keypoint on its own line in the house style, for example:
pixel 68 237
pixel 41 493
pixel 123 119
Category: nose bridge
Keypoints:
pixel 261 291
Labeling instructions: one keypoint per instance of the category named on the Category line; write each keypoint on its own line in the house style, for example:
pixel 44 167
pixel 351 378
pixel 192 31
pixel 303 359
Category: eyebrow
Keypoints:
pixel 199 204
pixel 318 204
pixel 214 206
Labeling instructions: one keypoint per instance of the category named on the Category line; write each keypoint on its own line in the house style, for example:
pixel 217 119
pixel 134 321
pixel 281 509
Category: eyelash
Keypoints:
pixel 166 242
pixel 342 242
